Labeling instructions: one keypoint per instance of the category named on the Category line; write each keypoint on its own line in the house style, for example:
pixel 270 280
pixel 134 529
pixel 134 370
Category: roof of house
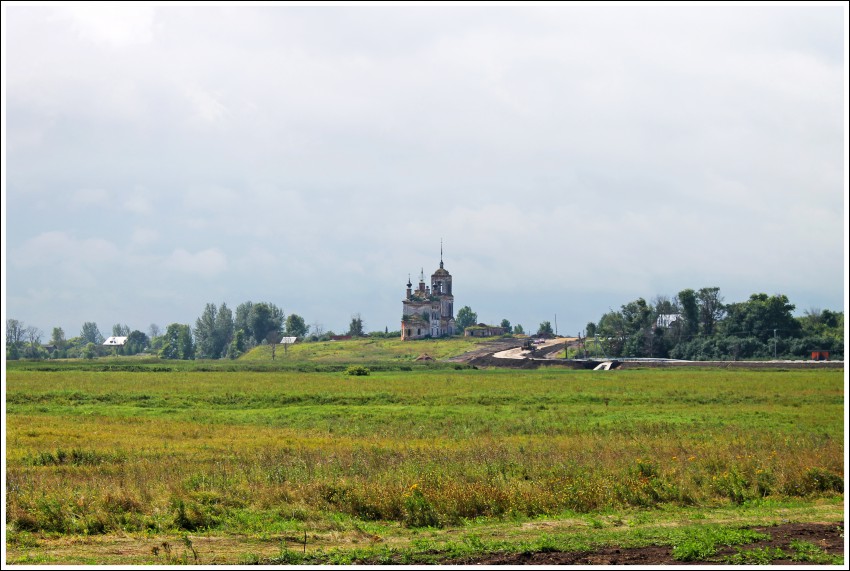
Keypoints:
pixel 115 341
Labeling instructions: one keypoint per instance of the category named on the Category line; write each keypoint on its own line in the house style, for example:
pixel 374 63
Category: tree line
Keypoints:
pixel 217 333
pixel 698 325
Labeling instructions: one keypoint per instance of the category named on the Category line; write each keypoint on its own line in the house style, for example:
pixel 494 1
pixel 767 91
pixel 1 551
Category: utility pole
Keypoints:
pixel 774 344
pixel 556 325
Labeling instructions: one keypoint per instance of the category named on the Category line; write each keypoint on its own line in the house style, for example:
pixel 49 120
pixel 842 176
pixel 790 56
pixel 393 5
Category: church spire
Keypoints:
pixel 441 253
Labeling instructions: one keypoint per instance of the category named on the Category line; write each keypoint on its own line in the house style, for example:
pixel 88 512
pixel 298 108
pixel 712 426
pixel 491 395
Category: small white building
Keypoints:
pixel 665 320
pixel 115 342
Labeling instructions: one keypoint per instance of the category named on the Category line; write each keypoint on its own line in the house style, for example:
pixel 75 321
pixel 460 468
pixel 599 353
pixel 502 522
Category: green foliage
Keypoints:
pixel 355 328
pixel 136 343
pixel 358 371
pixel 706 329
pixel 418 511
pixel 545 330
pixel 90 333
pixel 699 544
pixel 806 552
pixel 295 326
pixel 213 332
pixel 177 342
pixel 89 351
pixel 756 556
pixel 465 317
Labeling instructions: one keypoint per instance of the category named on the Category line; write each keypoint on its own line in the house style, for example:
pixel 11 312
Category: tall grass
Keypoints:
pixel 93 452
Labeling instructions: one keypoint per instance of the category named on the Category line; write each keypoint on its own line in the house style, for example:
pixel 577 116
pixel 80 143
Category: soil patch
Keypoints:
pixel 827 536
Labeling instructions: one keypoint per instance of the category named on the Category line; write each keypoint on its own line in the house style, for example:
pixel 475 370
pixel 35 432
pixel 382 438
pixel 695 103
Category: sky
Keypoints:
pixel 570 158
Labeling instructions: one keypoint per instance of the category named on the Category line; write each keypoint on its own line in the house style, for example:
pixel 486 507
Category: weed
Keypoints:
pixel 756 556
pixel 418 510
pixel 805 551
pixel 700 543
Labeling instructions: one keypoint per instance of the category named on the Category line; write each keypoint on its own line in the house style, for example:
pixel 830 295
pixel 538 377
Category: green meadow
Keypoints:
pixel 161 464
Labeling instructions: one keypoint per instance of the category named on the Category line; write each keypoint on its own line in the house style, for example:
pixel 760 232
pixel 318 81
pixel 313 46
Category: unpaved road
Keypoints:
pixel 827 536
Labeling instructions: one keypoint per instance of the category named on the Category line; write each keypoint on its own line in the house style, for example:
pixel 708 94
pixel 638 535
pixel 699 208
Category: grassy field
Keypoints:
pixel 163 466
pixel 366 349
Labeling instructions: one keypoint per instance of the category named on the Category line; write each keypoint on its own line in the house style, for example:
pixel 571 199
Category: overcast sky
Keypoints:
pixel 572 158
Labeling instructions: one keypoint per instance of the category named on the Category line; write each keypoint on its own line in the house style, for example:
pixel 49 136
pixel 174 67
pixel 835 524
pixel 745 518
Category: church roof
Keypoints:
pixel 441 272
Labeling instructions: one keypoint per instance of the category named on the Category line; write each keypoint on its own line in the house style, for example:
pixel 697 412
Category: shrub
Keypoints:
pixel 358 370
pixel 418 511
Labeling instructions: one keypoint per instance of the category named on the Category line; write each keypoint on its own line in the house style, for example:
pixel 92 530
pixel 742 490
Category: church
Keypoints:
pixel 428 311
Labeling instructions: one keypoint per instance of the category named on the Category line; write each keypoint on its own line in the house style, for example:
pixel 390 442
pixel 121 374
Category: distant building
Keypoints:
pixel 115 342
pixel 665 320
pixel 483 330
pixel 428 311
pixel 819 355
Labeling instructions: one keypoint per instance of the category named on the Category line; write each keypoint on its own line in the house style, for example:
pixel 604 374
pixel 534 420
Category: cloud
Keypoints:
pixel 207 107
pixel 143 236
pixel 556 149
pixel 206 263
pixel 90 196
pixel 112 25
pixel 138 201
pixel 57 247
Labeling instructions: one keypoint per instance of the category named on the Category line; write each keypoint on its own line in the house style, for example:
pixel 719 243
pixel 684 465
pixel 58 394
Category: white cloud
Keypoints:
pixel 114 25
pixel 206 106
pixel 57 247
pixel 206 263
pixel 143 236
pixel 138 201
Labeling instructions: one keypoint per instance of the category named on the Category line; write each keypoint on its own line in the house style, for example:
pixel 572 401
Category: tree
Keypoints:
pixel 90 333
pixel 465 318
pixel 295 326
pixel 213 331
pixel 33 336
pixel 57 339
pixel 136 343
pixel 762 317
pixel 612 333
pixel 507 325
pixel 154 331
pixel 711 309
pixel 177 342
pixel 257 320
pixel 237 344
pixel 205 338
pixel 89 351
pixel 273 338
pixel 518 330
pixel 14 335
pixel 223 330
pixel 690 313
pixel 242 320
pixel 545 330
pixel 591 329
pixel 355 328
pixel 119 330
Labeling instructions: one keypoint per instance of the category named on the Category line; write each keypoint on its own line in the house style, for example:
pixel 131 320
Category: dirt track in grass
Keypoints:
pixel 828 536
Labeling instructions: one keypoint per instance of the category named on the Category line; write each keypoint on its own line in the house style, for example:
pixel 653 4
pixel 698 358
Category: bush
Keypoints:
pixel 418 511
pixel 358 370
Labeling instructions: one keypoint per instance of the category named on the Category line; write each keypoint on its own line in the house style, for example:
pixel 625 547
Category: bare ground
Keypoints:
pixel 827 536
